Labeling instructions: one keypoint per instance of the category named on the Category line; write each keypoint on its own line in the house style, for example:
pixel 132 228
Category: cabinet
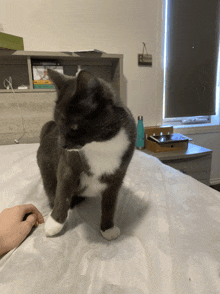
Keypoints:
pixel 23 112
pixel 195 161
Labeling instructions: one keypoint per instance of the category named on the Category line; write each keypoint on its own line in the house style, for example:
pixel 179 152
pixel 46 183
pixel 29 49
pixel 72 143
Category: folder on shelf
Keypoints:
pixel 40 77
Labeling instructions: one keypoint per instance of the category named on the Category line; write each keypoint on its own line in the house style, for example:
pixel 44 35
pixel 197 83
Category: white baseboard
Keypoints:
pixel 214 181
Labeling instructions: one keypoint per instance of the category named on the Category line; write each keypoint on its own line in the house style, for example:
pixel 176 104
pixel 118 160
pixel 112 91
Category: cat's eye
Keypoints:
pixel 74 127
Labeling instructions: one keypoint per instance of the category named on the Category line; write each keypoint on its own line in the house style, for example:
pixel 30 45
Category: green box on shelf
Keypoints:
pixel 43 86
pixel 8 41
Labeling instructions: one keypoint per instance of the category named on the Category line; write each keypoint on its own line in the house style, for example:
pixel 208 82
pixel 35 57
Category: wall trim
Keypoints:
pixel 193 130
pixel 214 182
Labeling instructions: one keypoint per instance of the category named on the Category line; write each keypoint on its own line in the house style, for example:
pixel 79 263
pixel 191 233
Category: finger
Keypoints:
pixel 26 226
pixel 31 220
pixel 30 208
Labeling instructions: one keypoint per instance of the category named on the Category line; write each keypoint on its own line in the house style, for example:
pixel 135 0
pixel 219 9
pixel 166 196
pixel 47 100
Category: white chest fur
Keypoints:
pixel 103 158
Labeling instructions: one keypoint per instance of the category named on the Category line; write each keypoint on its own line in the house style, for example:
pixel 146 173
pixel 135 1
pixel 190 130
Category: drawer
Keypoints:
pixel 197 167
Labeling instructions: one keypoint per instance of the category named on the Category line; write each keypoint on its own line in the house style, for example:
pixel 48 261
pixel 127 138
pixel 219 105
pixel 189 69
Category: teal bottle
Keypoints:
pixel 140 133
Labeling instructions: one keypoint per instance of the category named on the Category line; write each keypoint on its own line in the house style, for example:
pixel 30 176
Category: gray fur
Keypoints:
pixel 90 104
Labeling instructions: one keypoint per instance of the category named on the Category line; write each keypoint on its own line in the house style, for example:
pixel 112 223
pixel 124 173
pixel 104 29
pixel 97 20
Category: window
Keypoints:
pixel 191 62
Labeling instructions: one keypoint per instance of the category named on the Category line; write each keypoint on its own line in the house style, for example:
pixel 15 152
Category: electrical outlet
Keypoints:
pixel 145 59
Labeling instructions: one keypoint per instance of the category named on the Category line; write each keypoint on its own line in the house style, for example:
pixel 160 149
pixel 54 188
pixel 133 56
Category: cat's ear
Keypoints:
pixel 57 78
pixel 86 81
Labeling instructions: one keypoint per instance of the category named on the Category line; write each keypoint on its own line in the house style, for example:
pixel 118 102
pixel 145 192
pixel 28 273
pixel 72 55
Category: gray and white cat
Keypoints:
pixel 85 151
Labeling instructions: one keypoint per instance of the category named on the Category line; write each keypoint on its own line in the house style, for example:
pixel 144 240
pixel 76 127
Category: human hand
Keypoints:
pixel 13 229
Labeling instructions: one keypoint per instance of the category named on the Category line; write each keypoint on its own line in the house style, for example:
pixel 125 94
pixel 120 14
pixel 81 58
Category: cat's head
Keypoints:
pixel 83 110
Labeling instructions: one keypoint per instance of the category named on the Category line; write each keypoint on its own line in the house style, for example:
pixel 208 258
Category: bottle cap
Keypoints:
pixel 140 117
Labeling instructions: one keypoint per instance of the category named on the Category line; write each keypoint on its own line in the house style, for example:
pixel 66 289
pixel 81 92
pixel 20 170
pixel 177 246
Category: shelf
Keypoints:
pixel 27 90
pixel 36 105
pixel 62 54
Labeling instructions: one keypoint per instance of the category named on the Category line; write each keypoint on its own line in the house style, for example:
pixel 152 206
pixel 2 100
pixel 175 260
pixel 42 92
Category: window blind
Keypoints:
pixel 192 46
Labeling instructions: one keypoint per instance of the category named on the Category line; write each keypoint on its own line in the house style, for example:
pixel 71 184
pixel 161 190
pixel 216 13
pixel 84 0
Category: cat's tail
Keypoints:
pixel 47 128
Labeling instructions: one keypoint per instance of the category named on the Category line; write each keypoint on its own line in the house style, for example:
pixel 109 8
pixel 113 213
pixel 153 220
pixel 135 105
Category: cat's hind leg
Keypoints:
pixel 49 179
pixel 47 128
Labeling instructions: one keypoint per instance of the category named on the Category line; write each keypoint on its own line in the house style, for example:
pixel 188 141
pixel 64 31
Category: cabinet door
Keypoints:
pixel 197 167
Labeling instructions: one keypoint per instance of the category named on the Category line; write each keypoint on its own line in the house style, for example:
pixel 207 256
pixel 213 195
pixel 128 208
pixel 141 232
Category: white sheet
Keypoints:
pixel 169 243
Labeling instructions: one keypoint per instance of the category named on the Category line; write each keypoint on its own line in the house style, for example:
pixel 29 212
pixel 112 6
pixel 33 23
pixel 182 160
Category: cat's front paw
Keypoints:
pixel 111 234
pixel 52 227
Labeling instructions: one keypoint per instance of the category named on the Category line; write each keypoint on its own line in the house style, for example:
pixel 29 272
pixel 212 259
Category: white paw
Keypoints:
pixel 52 227
pixel 111 234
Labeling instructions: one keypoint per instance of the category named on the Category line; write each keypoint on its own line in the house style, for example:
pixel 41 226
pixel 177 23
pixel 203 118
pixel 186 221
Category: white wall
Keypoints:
pixel 116 26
